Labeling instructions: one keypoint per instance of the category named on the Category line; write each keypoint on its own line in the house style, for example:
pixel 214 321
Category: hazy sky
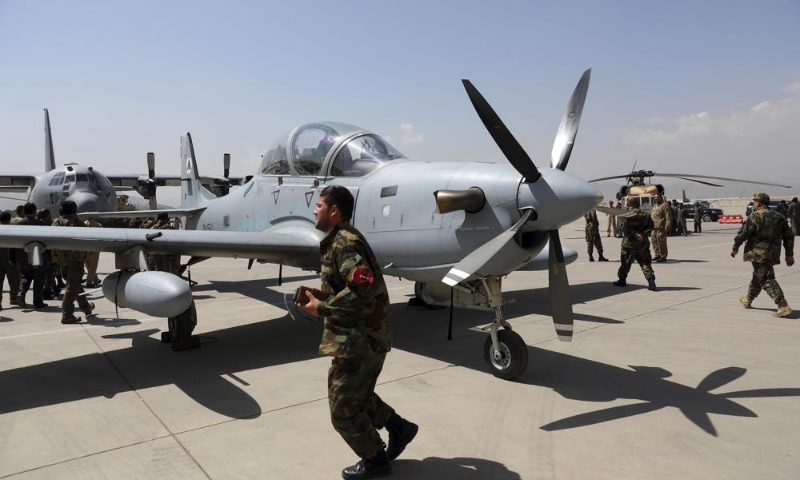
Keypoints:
pixel 709 87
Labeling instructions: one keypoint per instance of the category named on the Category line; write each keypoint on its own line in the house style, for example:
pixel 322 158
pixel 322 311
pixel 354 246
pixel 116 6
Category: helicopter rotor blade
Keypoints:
pixel 681 175
pixel 512 150
pixel 609 178
pixel 568 130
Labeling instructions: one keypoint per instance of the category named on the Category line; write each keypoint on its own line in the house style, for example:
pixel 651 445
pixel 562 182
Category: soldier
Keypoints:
pixel 762 234
pixel 72 268
pixel 793 215
pixel 51 289
pixel 612 221
pixel 92 259
pixel 682 215
pixel 782 208
pixel 20 210
pixel 146 223
pixel 675 223
pixel 662 224
pixel 620 222
pixel 7 267
pixel 593 236
pixel 698 218
pixel 354 306
pixel 635 246
pixel 30 274
pixel 165 263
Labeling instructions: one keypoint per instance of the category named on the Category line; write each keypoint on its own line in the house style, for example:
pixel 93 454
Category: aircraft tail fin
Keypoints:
pixel 49 155
pixel 685 199
pixel 192 191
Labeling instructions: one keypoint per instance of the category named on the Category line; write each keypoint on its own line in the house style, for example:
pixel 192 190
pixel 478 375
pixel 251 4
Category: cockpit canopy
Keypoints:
pixel 322 149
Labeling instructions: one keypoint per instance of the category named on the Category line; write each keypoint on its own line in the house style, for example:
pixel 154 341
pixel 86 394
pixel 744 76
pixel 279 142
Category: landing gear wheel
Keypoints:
pixel 512 359
pixel 180 330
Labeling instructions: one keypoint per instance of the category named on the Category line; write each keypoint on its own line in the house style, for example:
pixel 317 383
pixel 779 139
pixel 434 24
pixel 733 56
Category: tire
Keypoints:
pixel 706 217
pixel 182 326
pixel 514 355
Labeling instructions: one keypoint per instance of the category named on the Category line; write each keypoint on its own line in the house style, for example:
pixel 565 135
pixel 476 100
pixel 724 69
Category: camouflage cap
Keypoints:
pixel 761 197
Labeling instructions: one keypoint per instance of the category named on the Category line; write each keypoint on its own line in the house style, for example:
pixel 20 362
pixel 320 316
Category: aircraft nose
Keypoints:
pixel 560 199
pixel 86 202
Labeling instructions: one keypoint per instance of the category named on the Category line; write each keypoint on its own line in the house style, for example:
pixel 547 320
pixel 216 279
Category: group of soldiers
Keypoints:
pixel 57 269
pixel 762 233
pixel 62 269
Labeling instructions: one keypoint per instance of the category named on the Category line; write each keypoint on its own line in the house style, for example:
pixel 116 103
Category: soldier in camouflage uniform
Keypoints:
pixel 762 234
pixel 72 268
pixel 636 246
pixel 793 215
pixel 146 223
pixel 662 225
pixel 354 306
pixel 698 218
pixel 683 214
pixel 165 263
pixel 593 236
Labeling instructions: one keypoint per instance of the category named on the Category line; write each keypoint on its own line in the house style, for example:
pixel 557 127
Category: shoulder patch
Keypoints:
pixel 363 276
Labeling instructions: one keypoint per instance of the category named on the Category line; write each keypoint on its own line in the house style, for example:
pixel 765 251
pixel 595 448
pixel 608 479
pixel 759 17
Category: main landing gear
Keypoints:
pixel 180 330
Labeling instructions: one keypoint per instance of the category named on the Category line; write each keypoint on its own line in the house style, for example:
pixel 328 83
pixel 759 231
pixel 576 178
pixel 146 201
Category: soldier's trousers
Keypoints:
pixel 10 271
pixel 636 254
pixel 698 224
pixel 684 230
pixel 764 279
pixel 92 260
pixel 32 275
pixel 612 225
pixel 356 411
pixel 659 241
pixel 73 274
pixel 593 240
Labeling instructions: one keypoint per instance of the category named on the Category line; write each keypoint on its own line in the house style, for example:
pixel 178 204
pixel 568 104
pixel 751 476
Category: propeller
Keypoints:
pixel 151 175
pixel 568 130
pixel 484 254
pixel 560 299
pixel 513 151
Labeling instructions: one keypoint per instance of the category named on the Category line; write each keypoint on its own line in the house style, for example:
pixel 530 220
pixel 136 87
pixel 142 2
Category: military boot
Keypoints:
pixel 620 283
pixel 88 311
pixel 651 284
pixel 68 318
pixel 746 302
pixel 591 258
pixel 783 310
pixel 377 466
pixel 602 258
pixel 401 432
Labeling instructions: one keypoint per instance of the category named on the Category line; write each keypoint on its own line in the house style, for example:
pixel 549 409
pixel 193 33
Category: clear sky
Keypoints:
pixel 706 87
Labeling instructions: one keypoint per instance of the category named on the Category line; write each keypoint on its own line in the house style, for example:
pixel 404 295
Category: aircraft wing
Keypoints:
pixel 16 183
pixel 172 212
pixel 129 182
pixel 291 243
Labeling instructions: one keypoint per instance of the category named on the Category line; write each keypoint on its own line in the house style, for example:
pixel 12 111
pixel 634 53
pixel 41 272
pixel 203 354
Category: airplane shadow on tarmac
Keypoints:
pixel 208 374
pixel 462 468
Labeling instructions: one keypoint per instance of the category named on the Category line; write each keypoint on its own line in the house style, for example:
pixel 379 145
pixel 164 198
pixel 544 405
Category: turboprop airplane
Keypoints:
pixel 90 189
pixel 451 227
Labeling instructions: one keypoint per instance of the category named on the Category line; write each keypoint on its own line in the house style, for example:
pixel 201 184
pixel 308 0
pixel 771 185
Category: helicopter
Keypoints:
pixel 638 185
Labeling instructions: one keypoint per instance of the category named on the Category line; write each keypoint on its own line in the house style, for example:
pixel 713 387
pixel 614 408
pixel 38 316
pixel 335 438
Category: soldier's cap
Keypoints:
pixel 761 197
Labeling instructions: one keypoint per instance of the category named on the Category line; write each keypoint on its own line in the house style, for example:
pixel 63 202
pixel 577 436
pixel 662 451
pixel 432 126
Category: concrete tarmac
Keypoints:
pixel 677 384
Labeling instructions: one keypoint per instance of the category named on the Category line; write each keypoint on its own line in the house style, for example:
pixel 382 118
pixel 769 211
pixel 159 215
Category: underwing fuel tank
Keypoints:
pixel 158 294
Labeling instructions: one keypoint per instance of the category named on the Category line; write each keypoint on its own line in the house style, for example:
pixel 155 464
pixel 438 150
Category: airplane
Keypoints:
pixel 89 188
pixel 636 185
pixel 451 227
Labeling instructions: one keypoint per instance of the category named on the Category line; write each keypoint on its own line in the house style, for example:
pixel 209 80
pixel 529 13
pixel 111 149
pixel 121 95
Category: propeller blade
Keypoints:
pixel 226 165
pixel 560 300
pixel 483 254
pixel 681 175
pixel 151 174
pixel 568 130
pixel 502 136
